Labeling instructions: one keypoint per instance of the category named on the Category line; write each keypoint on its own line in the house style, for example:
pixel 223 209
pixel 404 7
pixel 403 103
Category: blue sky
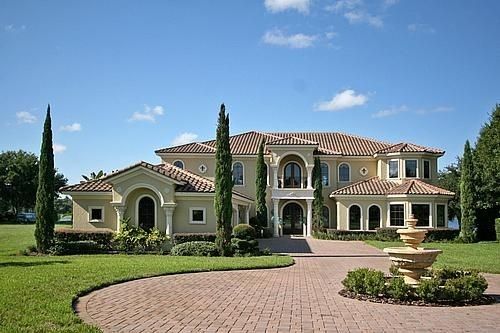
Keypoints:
pixel 127 77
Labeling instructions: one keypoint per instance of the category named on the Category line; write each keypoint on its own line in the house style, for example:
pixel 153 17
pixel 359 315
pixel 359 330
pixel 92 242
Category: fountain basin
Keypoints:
pixel 412 262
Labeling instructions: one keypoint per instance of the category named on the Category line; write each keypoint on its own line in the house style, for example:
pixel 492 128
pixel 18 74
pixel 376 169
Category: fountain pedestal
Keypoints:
pixel 412 260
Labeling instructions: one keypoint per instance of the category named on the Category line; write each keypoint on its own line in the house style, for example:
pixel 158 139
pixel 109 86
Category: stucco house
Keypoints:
pixel 367 184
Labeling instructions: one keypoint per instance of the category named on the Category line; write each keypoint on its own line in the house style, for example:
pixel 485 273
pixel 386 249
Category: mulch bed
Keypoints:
pixel 484 300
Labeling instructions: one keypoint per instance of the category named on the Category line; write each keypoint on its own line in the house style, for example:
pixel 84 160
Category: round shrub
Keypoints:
pixel 365 281
pixel 465 288
pixel 198 249
pixel 398 289
pixel 429 290
pixel 244 231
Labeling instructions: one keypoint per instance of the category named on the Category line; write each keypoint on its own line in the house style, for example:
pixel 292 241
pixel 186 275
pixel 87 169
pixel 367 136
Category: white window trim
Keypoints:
pixel 361 224
pixel 267 174
pixel 389 169
pixel 137 209
pixel 368 216
pixel 327 174
pixel 338 172
pixel 191 209
pixel 242 170
pixel 445 215
pixel 389 213
pixel 183 165
pixel 416 164
pixel 90 214
pixel 423 169
pixel 431 225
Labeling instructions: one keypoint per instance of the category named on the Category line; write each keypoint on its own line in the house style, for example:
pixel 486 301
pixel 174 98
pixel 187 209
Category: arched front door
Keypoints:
pixel 293 175
pixel 146 213
pixel 292 218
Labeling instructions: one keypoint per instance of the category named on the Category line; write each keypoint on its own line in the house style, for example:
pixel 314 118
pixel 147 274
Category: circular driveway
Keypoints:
pixel 300 298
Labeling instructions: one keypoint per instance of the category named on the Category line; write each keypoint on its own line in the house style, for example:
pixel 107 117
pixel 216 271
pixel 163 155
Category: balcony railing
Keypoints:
pixel 290 182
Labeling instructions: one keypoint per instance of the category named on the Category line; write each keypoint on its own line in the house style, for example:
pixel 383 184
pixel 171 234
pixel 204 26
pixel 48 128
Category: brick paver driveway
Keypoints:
pixel 303 297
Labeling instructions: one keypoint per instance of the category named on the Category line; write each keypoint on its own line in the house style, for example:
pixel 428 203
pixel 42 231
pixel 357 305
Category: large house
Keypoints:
pixel 367 184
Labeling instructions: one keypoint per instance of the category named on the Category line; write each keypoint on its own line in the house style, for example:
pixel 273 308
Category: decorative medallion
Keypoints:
pixel 203 168
pixel 363 171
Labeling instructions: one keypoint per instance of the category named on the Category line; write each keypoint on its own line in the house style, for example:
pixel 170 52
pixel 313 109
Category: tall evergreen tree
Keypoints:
pixel 223 184
pixel 260 187
pixel 44 207
pixel 318 196
pixel 487 166
pixel 467 197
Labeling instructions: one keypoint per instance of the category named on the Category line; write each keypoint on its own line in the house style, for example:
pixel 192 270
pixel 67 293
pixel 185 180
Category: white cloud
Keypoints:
pixel 24 117
pixel 275 6
pixel 149 114
pixel 439 109
pixel 297 41
pixel 343 5
pixel 58 148
pixel 390 112
pixel 343 100
pixel 331 34
pixel 389 3
pixel 13 28
pixel 184 138
pixel 356 12
pixel 421 27
pixel 356 16
pixel 75 127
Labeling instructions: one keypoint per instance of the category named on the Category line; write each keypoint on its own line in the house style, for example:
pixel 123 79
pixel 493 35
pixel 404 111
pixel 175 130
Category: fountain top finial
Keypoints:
pixel 411 222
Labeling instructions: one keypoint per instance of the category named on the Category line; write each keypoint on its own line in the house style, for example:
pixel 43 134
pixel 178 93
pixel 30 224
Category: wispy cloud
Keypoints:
pixel 297 41
pixel 276 6
pixel 184 138
pixel 149 114
pixel 421 27
pixel 358 16
pixel 389 3
pixel 355 12
pixel 342 5
pixel 343 100
pixel 390 112
pixel 75 127
pixel 24 117
pixel 439 109
pixel 14 28
pixel 58 148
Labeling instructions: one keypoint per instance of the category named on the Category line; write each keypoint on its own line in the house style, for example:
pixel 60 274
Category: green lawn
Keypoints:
pixel 482 256
pixel 36 293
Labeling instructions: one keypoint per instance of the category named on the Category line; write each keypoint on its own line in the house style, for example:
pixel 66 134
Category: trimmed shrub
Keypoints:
pixel 137 240
pixel 398 289
pixel 387 234
pixel 197 248
pixel 244 231
pixel 433 235
pixel 78 247
pixel 102 237
pixel 465 288
pixel 180 238
pixel 497 228
pixel 346 235
pixel 375 283
pixel 365 281
pixel 429 290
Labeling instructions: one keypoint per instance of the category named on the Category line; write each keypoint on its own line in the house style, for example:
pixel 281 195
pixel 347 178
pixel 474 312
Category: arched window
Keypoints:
pixel 326 217
pixel 344 172
pixel 373 217
pixel 146 213
pixel 325 178
pixel 293 174
pixel 238 173
pixel 354 217
pixel 179 164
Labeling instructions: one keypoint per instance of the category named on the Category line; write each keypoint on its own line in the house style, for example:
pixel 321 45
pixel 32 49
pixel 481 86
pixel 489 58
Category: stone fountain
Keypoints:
pixel 411 259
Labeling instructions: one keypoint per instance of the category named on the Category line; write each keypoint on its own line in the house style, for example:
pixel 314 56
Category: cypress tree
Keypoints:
pixel 260 187
pixel 318 196
pixel 223 184
pixel 44 207
pixel 467 197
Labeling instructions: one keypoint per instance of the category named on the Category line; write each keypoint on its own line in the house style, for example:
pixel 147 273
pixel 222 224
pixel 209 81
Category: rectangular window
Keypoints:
pixel 397 215
pixel 394 169
pixel 421 212
pixel 96 214
pixel 410 168
pixel 441 218
pixel 197 216
pixel 427 169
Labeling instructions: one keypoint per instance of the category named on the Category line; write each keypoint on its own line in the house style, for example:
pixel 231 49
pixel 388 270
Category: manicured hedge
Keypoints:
pixel 78 247
pixel 385 234
pixel 102 237
pixel 497 228
pixel 180 238
pixel 198 249
pixel 334 234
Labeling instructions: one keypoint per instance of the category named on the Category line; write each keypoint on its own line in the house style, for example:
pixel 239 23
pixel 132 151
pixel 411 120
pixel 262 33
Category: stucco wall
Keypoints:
pixel 181 216
pixel 81 206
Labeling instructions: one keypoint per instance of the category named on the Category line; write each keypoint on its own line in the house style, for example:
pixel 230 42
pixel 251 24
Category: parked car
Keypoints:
pixel 66 219
pixel 26 217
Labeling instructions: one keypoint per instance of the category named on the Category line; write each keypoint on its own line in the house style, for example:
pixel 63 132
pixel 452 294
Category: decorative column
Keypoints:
pixel 309 217
pixel 276 218
pixel 309 176
pixel 247 217
pixel 169 213
pixel 275 176
pixel 120 214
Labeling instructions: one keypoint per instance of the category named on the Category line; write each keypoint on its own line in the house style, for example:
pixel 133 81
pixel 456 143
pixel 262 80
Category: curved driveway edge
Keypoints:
pixel 300 298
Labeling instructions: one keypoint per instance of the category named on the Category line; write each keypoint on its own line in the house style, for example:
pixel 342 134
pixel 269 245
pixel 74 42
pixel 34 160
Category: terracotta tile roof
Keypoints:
pixel 404 147
pixel 377 186
pixel 329 143
pixel 291 140
pixel 188 181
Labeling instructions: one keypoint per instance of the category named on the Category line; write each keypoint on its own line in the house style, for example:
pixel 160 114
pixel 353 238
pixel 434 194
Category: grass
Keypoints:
pixel 482 256
pixel 36 293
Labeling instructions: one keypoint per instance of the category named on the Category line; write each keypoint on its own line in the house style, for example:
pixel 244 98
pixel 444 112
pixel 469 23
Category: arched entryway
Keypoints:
pixel 146 213
pixel 293 175
pixel 373 217
pixel 354 217
pixel 293 215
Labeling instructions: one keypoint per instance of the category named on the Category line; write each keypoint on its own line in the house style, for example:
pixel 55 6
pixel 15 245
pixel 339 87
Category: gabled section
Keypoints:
pixel 404 147
pixel 418 187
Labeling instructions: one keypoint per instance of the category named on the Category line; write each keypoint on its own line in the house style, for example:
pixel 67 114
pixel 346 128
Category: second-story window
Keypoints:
pixel 344 172
pixel 293 175
pixel 394 169
pixel 179 164
pixel 427 169
pixel 410 168
pixel 238 173
pixel 325 179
